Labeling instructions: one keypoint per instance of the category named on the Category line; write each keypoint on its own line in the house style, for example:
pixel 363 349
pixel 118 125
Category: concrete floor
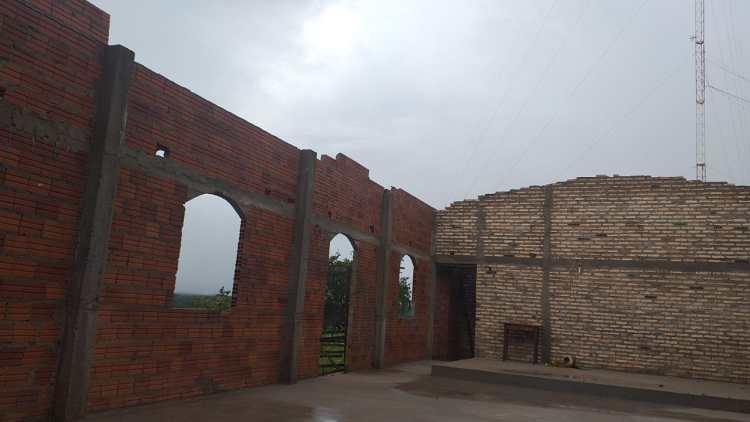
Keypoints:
pixel 599 376
pixel 405 393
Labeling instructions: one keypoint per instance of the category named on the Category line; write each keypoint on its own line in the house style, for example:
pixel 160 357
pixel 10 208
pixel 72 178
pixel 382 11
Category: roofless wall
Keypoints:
pixel 98 155
pixel 645 274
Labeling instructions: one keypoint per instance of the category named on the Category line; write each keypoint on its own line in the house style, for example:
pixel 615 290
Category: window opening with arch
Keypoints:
pixel 336 308
pixel 406 287
pixel 208 254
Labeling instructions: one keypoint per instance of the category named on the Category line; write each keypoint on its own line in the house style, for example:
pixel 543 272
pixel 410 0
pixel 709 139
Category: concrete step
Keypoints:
pixel 610 384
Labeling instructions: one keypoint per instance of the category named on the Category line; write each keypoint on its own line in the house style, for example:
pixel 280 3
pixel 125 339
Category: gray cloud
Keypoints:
pixel 444 99
pixel 453 99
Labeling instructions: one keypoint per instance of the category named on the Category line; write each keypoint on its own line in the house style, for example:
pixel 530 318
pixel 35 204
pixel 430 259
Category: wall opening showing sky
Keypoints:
pixel 208 250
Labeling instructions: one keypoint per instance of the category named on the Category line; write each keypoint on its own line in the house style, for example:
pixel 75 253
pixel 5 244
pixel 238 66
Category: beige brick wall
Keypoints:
pixel 672 323
pixel 505 293
pixel 457 224
pixel 622 293
pixel 514 223
pixel 653 218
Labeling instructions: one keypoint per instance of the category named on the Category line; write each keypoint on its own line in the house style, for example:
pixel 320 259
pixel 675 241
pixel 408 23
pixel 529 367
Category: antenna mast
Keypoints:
pixel 700 94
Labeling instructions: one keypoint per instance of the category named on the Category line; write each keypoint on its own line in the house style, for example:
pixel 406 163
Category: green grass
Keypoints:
pixel 185 300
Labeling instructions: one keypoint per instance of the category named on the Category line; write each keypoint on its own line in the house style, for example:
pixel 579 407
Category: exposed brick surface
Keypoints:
pixel 47 77
pixel 145 350
pixel 505 293
pixel 673 323
pixel 406 337
pixel 686 323
pixel 665 320
pixel 207 138
pixel 651 218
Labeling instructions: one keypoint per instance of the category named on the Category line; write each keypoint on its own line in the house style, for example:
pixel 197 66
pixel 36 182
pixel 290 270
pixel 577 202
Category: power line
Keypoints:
pixel 738 123
pixel 531 47
pixel 525 103
pixel 597 139
pixel 729 94
pixel 578 85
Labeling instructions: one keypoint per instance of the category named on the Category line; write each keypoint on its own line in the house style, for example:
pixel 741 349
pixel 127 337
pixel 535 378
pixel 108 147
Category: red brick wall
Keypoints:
pixel 344 193
pixel 79 16
pixel 48 70
pixel 206 138
pixel 406 337
pixel 146 351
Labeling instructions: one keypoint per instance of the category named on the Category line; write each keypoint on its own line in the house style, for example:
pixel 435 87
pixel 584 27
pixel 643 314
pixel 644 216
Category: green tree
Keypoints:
pixel 405 307
pixel 337 292
pixel 217 303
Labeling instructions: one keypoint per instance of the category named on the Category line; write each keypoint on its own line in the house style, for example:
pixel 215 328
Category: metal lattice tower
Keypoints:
pixel 700 94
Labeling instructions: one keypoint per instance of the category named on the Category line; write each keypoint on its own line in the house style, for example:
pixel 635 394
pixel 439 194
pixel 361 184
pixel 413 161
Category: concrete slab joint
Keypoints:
pixel 82 296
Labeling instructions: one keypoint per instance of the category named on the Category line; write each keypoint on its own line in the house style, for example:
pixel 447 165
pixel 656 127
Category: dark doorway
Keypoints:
pixel 458 319
pixel 336 308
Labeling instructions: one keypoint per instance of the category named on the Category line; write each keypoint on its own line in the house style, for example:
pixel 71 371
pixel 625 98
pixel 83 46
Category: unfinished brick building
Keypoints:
pixel 86 319
pixel 627 273
pixel 90 226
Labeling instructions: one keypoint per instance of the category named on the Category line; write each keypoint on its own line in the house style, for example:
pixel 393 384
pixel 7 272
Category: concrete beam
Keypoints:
pixel 569 264
pixel 336 227
pixel 383 274
pixel 408 250
pixel 82 299
pixel 298 267
pixel 193 179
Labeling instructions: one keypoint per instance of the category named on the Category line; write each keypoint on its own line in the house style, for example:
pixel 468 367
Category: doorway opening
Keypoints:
pixel 336 308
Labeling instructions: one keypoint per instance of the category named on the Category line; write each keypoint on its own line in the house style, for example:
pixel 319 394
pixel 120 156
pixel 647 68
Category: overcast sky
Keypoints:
pixel 451 99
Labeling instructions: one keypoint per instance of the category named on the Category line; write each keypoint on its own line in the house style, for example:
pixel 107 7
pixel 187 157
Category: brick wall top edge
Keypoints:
pixel 231 116
pixel 342 162
pixel 462 203
pixel 347 165
pixel 409 197
pixel 78 15
pixel 598 179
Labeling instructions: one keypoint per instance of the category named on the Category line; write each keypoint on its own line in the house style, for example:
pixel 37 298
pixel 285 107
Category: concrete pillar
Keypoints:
pixel 298 267
pixel 431 292
pixel 383 274
pixel 546 345
pixel 82 296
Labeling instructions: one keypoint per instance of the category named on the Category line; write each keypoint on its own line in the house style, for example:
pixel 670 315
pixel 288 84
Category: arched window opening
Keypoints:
pixel 336 307
pixel 406 287
pixel 208 254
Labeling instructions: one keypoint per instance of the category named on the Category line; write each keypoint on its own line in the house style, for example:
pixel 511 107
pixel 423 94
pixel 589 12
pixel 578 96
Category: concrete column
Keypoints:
pixel 432 292
pixel 383 274
pixel 298 267
pixel 82 296
pixel 546 345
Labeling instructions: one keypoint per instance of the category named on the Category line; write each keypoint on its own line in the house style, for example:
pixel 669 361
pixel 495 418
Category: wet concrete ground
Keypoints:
pixel 406 393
